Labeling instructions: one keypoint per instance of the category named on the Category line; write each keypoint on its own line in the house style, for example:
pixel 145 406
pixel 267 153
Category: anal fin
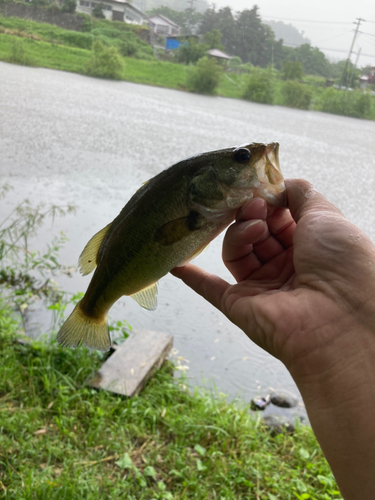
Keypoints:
pixel 148 297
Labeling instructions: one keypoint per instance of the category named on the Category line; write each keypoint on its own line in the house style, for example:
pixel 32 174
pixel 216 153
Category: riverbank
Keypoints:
pixel 36 44
pixel 61 439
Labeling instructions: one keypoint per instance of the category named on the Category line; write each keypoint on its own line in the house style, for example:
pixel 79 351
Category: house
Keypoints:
pixel 114 10
pixel 161 25
pixel 217 54
pixel 366 80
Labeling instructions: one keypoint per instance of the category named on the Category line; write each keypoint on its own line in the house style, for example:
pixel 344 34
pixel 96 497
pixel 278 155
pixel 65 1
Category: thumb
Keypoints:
pixel 304 198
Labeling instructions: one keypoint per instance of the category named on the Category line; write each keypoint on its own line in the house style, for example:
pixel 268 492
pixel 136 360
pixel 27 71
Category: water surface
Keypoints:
pixel 66 138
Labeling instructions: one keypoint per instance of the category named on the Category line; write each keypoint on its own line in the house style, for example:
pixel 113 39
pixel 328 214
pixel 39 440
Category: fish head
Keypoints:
pixel 254 170
pixel 230 177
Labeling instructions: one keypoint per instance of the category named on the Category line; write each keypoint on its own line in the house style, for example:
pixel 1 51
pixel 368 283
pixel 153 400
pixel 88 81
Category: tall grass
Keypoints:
pixel 62 440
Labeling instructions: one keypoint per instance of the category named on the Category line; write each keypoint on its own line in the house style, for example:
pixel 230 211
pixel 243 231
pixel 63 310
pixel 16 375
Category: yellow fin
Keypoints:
pixel 80 329
pixel 177 229
pixel 200 250
pixel 143 183
pixel 87 260
pixel 148 297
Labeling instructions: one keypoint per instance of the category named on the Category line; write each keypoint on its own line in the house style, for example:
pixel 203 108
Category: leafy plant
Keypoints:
pixel 69 6
pixel 292 70
pixel 19 54
pixel 260 87
pixel 97 11
pixel 355 103
pixel 105 62
pixel 296 95
pixel 205 77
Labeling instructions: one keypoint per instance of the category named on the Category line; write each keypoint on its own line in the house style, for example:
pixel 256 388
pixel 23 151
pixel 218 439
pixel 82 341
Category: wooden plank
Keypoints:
pixel 133 363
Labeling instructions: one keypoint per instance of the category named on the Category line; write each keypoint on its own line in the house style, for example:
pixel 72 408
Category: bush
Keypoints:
pixel 204 77
pixel 190 52
pixel 260 87
pixel 292 70
pixel 97 11
pixel 105 62
pixel 339 102
pixel 76 39
pixel 69 6
pixel 296 95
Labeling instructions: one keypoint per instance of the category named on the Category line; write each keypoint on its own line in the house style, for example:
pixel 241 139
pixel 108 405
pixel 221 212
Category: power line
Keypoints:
pixel 305 20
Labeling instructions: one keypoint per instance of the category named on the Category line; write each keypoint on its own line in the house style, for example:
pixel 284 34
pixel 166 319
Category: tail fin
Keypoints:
pixel 80 329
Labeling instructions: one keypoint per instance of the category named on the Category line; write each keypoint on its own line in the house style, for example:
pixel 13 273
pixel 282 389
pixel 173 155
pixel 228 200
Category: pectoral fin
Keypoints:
pixel 148 297
pixel 87 260
pixel 177 229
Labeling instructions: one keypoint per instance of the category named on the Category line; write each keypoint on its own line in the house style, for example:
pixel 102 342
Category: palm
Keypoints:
pixel 290 279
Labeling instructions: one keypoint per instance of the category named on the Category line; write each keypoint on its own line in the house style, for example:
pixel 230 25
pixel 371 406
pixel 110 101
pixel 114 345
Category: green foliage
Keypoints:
pixel 97 11
pixel 260 87
pixel 19 53
pixel 27 274
pixel 190 52
pixel 62 440
pixel 296 95
pixel 76 39
pixel 314 62
pixel 213 39
pixel 69 6
pixel 205 77
pixel 234 64
pixel 105 62
pixel 355 103
pixel 292 70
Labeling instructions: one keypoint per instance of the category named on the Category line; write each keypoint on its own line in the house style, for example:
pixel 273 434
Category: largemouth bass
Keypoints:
pixel 166 223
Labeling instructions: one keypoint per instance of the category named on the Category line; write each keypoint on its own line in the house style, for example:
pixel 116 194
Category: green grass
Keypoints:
pixel 62 440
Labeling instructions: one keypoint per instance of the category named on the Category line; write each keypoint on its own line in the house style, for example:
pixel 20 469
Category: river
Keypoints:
pixel 66 138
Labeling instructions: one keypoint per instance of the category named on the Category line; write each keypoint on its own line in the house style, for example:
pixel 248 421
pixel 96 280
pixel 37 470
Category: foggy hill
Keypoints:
pixel 288 33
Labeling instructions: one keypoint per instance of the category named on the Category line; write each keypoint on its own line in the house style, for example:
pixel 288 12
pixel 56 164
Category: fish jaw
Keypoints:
pixel 271 181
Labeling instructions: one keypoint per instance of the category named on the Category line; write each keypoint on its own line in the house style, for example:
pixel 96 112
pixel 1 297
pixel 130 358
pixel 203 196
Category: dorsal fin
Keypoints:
pixel 148 297
pixel 87 260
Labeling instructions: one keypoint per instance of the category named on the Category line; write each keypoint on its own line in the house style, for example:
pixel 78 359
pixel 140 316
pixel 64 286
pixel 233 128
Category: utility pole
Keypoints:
pixel 190 15
pixel 345 72
pixel 355 65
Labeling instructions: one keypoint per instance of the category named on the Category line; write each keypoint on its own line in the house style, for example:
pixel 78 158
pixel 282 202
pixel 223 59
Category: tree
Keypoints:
pixel 97 11
pixel 190 52
pixel 69 6
pixel 213 39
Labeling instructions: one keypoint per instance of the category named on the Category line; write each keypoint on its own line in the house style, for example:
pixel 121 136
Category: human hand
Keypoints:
pixel 305 293
pixel 299 287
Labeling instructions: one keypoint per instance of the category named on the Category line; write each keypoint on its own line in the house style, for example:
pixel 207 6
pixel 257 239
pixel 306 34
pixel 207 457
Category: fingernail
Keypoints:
pixel 251 223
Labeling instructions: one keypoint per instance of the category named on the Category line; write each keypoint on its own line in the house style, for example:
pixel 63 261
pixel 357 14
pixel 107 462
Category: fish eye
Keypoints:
pixel 242 155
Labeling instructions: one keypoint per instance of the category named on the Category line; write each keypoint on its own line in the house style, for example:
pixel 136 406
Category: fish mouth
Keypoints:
pixel 272 183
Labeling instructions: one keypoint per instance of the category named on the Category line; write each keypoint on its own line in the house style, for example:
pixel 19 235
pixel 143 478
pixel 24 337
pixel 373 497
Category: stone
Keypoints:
pixel 283 399
pixel 277 424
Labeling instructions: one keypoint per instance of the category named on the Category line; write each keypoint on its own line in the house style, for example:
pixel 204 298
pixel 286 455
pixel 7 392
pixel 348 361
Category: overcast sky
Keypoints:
pixel 328 33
